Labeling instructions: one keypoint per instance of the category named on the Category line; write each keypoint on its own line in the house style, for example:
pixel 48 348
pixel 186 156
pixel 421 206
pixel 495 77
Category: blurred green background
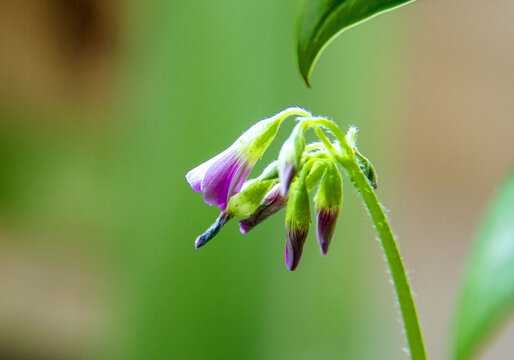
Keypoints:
pixel 104 107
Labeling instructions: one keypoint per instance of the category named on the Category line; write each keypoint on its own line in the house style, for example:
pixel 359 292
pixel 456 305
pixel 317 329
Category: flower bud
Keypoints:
pixel 328 203
pixel 298 218
pixel 249 198
pixel 272 203
pixel 290 156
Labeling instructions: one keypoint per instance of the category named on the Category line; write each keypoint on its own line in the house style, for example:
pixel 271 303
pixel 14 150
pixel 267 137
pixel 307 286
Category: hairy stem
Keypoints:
pixel 400 280
pixel 394 259
pixel 315 120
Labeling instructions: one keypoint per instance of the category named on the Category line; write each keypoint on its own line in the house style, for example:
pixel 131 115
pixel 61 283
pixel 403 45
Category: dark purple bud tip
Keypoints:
pixel 294 246
pixel 212 231
pixel 326 226
pixel 292 262
pixel 324 248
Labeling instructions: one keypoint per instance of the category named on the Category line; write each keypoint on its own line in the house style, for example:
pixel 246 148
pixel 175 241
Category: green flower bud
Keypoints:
pixel 328 203
pixel 249 198
pixel 298 218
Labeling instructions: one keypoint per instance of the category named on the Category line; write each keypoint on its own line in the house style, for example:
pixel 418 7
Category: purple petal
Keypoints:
pixel 224 177
pixel 326 219
pixel 295 239
pixel 195 176
pixel 239 181
pixel 286 173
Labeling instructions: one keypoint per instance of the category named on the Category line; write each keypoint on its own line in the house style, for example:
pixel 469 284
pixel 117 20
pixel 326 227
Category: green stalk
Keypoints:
pixel 400 280
pixel 394 259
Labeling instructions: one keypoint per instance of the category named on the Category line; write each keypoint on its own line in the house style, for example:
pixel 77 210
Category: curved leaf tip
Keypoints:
pixel 322 20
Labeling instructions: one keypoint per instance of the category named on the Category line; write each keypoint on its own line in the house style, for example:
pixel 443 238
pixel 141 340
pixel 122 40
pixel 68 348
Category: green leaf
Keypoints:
pixel 322 20
pixel 487 294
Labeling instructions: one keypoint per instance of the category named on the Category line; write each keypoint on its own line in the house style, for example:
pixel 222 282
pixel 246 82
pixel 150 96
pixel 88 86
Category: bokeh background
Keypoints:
pixel 105 105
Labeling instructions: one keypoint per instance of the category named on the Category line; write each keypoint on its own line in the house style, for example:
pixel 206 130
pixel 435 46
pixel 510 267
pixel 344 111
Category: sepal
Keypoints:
pixel 367 169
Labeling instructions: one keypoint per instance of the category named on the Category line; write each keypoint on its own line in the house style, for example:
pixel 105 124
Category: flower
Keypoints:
pixel 223 175
pixel 328 201
pixel 284 183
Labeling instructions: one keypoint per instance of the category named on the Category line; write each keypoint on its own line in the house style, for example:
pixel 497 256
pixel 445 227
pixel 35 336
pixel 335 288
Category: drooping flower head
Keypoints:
pixel 222 176
pixel 328 201
pixel 284 183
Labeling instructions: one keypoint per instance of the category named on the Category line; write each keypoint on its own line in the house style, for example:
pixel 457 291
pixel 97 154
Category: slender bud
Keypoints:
pixel 212 231
pixel 290 156
pixel 298 218
pixel 328 203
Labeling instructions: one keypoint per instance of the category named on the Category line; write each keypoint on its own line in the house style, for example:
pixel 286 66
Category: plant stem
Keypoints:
pixel 318 120
pixel 400 280
pixel 394 259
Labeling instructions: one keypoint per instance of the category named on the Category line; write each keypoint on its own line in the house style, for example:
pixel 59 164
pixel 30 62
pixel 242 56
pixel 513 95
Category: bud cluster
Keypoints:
pixel 285 183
